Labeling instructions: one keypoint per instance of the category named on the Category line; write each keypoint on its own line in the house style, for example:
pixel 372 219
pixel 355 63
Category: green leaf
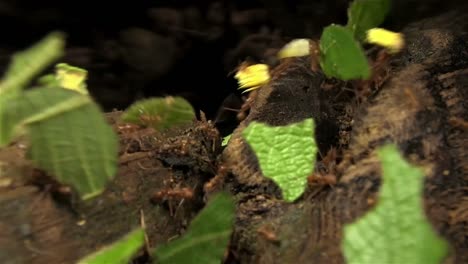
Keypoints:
pixel 30 62
pixel 226 140
pixel 119 252
pixel 342 56
pixel 366 14
pixel 207 237
pixel 160 113
pixel 69 136
pixel 286 154
pixel 12 113
pixel 396 230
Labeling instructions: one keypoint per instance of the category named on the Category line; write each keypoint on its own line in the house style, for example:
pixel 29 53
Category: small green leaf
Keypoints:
pixel 30 62
pixel 160 113
pixel 286 154
pixel 119 252
pixel 342 56
pixel 206 239
pixel 226 140
pixel 69 136
pixel 366 14
pixel 396 230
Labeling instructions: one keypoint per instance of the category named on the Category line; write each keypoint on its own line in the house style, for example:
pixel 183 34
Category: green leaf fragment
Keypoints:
pixel 69 136
pixel 286 154
pixel 160 113
pixel 206 239
pixel 396 230
pixel 67 77
pixel 342 56
pixel 226 140
pixel 29 63
pixel 366 14
pixel 71 77
pixel 119 252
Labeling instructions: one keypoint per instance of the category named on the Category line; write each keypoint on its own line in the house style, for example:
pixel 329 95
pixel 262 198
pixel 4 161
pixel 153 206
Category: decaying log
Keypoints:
pixel 421 107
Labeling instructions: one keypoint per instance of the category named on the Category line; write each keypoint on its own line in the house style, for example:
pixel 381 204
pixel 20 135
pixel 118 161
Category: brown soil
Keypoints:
pixel 417 99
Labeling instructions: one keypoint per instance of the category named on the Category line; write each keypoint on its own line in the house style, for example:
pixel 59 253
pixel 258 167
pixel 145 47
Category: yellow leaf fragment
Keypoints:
pixel 295 48
pixel 392 41
pixel 70 77
pixel 252 77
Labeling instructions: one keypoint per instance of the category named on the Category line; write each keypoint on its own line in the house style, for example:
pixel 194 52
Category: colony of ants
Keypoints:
pixel 323 176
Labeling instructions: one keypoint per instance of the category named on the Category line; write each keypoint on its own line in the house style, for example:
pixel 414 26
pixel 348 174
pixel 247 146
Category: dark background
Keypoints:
pixel 137 49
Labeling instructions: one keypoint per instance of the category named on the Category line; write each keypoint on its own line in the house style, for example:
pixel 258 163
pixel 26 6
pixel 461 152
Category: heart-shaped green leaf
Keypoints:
pixel 286 154
pixel 69 136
